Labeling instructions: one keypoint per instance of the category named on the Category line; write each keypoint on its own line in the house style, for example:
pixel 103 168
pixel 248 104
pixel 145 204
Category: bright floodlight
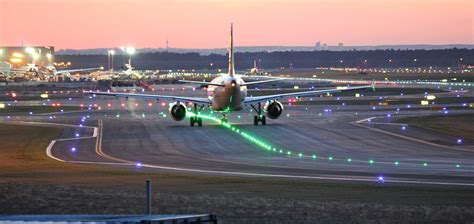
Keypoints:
pixel 130 50
pixel 48 55
pixel 30 50
pixel 112 52
pixel 35 56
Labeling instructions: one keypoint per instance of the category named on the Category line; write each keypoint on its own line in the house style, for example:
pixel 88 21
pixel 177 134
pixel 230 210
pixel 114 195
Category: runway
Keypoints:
pixel 308 142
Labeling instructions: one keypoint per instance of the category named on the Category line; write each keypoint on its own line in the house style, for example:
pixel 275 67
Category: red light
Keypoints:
pixel 82 105
pixel 163 104
pixel 109 105
pixel 150 104
pixel 123 104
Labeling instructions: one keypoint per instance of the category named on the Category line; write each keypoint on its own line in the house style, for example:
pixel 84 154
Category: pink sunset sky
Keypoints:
pixel 84 24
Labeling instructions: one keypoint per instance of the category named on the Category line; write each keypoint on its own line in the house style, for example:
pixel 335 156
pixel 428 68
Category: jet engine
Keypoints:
pixel 178 111
pixel 273 109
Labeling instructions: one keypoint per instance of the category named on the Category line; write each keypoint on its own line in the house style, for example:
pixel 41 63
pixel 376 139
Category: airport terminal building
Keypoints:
pixel 18 56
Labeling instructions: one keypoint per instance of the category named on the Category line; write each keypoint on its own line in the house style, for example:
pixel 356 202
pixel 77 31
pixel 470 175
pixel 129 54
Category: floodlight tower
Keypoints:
pixel 130 51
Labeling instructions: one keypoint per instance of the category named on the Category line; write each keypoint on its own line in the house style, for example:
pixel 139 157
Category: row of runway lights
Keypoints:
pixel 444 110
pixel 262 144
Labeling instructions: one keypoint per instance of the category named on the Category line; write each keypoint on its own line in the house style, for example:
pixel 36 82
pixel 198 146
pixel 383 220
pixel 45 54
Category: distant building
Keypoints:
pixel 340 46
pixel 19 56
pixel 324 47
pixel 318 46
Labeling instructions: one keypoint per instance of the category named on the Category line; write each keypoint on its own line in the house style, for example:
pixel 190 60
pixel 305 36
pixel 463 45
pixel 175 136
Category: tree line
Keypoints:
pixel 288 59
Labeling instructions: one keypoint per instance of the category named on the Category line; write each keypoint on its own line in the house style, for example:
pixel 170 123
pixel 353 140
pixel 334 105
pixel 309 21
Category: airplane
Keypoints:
pixel 227 93
pixel 257 70
pixel 51 69
pixel 22 70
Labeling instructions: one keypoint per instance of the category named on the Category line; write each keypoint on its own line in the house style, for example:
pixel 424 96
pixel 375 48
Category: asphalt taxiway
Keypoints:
pixel 336 142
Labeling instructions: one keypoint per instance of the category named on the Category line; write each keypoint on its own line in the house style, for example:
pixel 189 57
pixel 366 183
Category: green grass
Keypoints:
pixel 456 125
pixel 25 110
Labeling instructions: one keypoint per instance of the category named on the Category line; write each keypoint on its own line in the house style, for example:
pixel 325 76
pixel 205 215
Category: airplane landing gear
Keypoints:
pixel 196 119
pixel 259 118
pixel 224 118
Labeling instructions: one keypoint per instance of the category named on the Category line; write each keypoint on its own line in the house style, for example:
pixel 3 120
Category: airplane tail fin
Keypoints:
pixel 231 52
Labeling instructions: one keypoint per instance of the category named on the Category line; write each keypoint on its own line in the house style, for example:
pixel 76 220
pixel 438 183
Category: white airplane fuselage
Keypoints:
pixel 229 97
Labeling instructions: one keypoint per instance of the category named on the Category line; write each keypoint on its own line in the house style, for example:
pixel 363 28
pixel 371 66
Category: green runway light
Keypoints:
pixel 265 146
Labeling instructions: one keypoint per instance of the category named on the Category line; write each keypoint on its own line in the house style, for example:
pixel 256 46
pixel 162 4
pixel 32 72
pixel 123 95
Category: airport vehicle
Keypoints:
pixel 227 93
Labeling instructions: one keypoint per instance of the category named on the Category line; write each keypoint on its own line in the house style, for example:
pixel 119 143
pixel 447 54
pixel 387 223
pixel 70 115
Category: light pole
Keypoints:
pixel 108 59
pixel 130 51
pixel 112 53
pixel 123 55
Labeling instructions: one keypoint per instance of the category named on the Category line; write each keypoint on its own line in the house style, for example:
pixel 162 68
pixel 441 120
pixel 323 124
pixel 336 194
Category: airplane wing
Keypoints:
pixel 263 81
pixel 201 83
pixel 76 70
pixel 198 100
pixel 245 84
pixel 300 94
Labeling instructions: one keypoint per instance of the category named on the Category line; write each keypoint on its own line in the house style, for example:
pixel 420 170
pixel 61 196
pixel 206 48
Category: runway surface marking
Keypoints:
pixel 127 162
pixel 122 162
pixel 45 124
pixel 49 154
pixel 358 123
